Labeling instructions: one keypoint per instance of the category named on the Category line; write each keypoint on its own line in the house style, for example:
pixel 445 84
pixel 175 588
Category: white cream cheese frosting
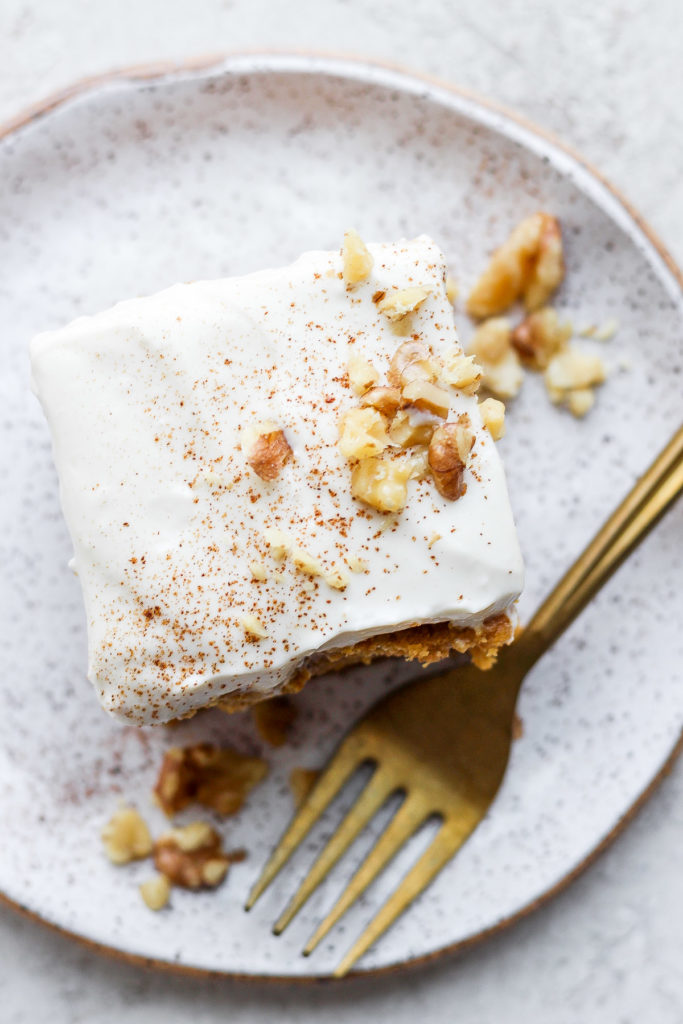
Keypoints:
pixel 147 402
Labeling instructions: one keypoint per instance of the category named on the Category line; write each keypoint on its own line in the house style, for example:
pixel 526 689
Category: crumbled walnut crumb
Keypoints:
pixel 356 564
pixel 451 289
pixel 362 374
pixel 274 719
pixel 191 857
pixel 448 453
pixel 213 480
pixel 460 371
pixel 253 626
pixel 216 777
pixel 362 433
pixel 398 303
pixel 156 891
pixel 305 562
pixel 337 580
pixel 279 542
pixel 381 483
pixel 266 449
pixel 126 837
pixel 540 336
pixel 493 417
pixel 435 537
pixel 301 782
pixel 425 395
pixel 258 571
pixel 357 261
pixel 528 265
pixel 411 361
pixel 412 426
pixel 386 400
pixel 601 332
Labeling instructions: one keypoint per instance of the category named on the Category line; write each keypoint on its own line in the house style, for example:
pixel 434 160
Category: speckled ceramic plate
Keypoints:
pixel 140 181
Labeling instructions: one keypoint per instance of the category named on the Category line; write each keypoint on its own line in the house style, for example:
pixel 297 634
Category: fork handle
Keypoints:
pixel 640 510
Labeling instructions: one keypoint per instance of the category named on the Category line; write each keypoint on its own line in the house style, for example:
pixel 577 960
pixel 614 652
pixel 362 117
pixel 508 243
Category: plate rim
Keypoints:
pixel 329 61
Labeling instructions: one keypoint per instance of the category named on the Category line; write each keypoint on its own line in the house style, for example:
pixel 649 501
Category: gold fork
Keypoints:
pixel 443 741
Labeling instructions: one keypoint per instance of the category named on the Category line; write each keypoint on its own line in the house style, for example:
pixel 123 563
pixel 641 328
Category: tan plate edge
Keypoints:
pixel 159 70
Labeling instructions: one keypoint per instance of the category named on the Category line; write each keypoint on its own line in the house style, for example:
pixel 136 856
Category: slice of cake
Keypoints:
pixel 271 476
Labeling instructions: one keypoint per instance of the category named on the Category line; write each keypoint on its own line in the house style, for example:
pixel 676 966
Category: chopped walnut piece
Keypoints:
pixel 362 374
pixel 192 857
pixel 253 627
pixel 504 378
pixel 126 837
pixel 382 483
pixel 411 361
pixel 385 400
pixel 301 782
pixel 574 369
pixel 357 261
pixel 362 433
pixel 274 719
pixel 424 395
pixel 216 777
pixel 266 449
pixel 540 336
pixel 412 426
pixel 460 371
pixel 570 378
pixel 491 340
pixel 305 562
pixel 451 289
pixel 448 452
pixel 529 265
pixel 279 542
pixel 258 571
pixel 357 564
pixel 399 302
pixel 547 270
pixel 156 891
pixel 416 465
pixel 580 401
pixel 493 417
pixel 500 367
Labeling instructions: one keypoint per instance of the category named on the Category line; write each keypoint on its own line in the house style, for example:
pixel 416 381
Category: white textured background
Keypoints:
pixel 608 78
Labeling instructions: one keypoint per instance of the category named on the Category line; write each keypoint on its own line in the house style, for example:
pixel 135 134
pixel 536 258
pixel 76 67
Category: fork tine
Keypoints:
pixel 349 756
pixel 410 815
pixel 376 792
pixel 446 843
